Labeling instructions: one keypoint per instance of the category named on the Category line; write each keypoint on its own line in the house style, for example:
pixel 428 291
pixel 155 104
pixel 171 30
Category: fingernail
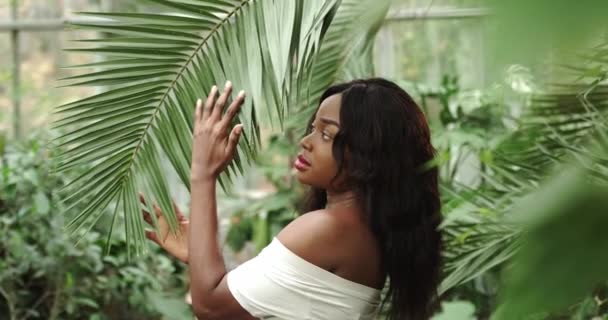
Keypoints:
pixel 214 88
pixel 242 93
pixel 228 84
pixel 199 102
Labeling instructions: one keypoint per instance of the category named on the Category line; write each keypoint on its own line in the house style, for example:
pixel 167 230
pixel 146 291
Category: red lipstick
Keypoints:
pixel 301 163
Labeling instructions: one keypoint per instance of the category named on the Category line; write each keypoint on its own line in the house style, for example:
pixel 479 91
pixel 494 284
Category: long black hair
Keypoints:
pixel 388 142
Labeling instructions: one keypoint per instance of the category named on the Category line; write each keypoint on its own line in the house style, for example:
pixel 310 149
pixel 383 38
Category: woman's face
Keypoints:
pixel 315 163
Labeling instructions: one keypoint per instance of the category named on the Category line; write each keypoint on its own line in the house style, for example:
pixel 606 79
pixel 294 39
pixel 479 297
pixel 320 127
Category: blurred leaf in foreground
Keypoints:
pixel 456 310
pixel 525 31
pixel 564 254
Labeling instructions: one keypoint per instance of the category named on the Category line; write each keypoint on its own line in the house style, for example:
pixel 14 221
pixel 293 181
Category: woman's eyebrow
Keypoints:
pixel 330 121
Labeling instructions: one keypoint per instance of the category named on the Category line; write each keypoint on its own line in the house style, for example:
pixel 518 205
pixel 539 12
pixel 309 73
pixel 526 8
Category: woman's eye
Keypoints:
pixel 324 135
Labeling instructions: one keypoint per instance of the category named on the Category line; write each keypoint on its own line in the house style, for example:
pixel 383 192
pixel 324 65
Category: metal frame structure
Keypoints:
pixel 15 26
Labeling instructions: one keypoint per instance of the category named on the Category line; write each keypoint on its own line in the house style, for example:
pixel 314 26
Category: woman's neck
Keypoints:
pixel 340 199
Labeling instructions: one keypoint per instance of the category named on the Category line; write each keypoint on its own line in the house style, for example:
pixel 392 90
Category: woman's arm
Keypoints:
pixel 207 266
pixel 212 150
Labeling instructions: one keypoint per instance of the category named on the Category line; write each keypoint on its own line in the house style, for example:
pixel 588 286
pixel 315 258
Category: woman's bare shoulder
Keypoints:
pixel 312 236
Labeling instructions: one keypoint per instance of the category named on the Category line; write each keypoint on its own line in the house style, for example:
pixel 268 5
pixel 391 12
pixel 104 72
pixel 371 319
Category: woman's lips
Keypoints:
pixel 300 163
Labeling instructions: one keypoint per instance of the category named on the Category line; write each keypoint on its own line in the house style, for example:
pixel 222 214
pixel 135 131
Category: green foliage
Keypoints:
pixel 345 53
pixel 468 122
pixel 456 310
pixel 240 231
pixel 561 268
pixel 558 273
pixel 564 256
pixel 562 128
pixel 44 275
pixel 262 218
pixel 155 67
pixel 529 32
pixel 467 125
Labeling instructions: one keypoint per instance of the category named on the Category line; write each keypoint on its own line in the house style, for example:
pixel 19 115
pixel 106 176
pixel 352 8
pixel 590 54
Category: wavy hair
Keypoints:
pixel 388 142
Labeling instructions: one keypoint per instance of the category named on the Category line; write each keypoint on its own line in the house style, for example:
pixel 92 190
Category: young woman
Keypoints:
pixel 372 215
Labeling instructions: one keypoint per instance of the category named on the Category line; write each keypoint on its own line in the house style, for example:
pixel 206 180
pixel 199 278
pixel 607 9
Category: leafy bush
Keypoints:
pixel 44 275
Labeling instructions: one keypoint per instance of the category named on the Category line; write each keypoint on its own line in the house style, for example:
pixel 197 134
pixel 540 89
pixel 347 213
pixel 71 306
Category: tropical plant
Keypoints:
pixel 258 218
pixel 285 53
pixel 44 275
pixel 557 128
pixel 564 238
pixel 157 65
pixel 466 125
pixel 345 54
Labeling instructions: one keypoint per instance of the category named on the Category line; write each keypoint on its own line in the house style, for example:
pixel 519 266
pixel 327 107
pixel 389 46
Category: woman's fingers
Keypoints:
pixel 233 110
pixel 198 111
pixel 221 101
pixel 147 217
pixel 152 236
pixel 145 213
pixel 141 198
pixel 212 108
pixel 233 140
pixel 158 212
pixel 208 107
pixel 178 212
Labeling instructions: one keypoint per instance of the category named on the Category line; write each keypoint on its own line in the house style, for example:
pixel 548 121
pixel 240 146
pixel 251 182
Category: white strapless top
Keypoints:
pixel 278 284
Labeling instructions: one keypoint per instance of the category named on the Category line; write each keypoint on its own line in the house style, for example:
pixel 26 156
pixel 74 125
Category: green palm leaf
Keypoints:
pixel 565 123
pixel 156 66
pixel 345 54
pixel 339 50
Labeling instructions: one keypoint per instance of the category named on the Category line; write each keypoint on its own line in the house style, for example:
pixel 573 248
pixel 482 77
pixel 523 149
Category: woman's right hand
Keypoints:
pixel 176 246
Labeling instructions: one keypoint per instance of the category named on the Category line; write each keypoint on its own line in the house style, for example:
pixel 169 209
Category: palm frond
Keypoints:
pixel 348 41
pixel 156 66
pixel 565 123
pixel 476 237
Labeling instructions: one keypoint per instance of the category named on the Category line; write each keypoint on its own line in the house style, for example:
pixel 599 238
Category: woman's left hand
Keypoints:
pixel 213 146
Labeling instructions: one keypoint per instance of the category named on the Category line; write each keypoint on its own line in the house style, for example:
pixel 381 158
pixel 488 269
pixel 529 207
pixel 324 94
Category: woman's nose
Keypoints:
pixel 305 143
